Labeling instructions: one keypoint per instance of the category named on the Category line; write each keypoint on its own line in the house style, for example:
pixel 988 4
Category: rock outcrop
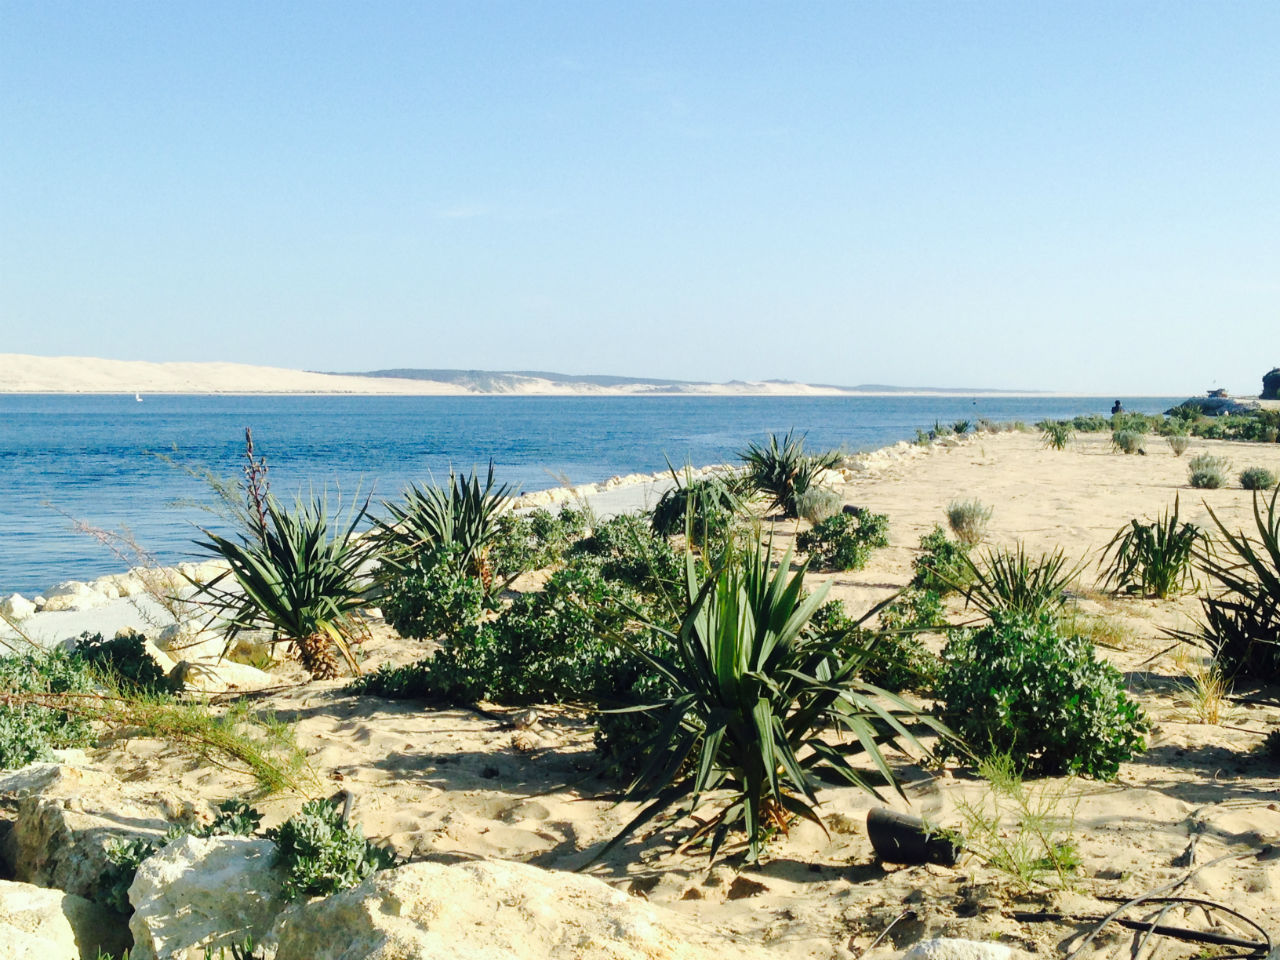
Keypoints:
pixel 41 924
pixel 66 819
pixel 199 892
pixel 495 910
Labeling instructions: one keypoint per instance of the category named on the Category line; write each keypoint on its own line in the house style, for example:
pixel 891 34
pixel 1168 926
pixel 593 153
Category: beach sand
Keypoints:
pixel 457 783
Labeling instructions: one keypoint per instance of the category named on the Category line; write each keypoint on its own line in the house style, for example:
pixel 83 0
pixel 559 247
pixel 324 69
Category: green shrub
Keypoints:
pixel 845 541
pixel 547 646
pixel 782 470
pixel 1178 443
pixel 535 540
pixel 1019 687
pixel 894 658
pixel 1055 434
pixel 1127 441
pixel 1091 423
pixel 940 566
pixel 1208 472
pixel 321 854
pixel 432 596
pixel 29 729
pixel 818 504
pixel 961 427
pixel 1139 423
pixel 629 552
pixel 1014 582
pixel 1154 558
pixel 968 520
pixel 125 660
pixel 754 696
pixel 1257 478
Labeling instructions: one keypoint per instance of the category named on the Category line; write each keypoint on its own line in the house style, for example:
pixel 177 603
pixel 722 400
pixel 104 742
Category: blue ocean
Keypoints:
pixel 107 460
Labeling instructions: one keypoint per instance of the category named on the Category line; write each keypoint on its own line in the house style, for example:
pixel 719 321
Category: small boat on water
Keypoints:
pixel 138 397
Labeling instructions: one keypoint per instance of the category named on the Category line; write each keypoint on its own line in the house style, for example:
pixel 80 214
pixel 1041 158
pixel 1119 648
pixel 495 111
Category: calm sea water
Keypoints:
pixel 93 457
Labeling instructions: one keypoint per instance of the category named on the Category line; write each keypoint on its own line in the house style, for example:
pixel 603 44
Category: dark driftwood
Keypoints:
pixel 901 838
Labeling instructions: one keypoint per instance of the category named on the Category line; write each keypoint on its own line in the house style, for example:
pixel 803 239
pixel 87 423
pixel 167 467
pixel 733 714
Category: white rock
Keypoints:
pixel 950 948
pixel 214 675
pixel 41 924
pixel 107 586
pixel 493 910
pixel 204 891
pixel 17 607
pixel 72 595
pixel 67 816
pixel 189 641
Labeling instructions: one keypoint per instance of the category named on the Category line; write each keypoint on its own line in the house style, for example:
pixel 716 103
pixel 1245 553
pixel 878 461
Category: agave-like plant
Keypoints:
pixel 1056 434
pixel 1154 558
pixel 1242 622
pixel 1009 582
pixel 756 697
pixel 462 514
pixel 709 502
pixel 292 574
pixel 782 469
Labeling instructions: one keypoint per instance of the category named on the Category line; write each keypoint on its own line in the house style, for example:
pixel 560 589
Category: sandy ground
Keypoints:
pixel 448 784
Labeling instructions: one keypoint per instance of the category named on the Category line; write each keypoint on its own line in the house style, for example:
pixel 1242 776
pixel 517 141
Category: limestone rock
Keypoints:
pixel 66 818
pixel 72 595
pixel 950 948
pixel 213 675
pixel 17 607
pixel 187 641
pixel 493 910
pixel 204 891
pixel 42 924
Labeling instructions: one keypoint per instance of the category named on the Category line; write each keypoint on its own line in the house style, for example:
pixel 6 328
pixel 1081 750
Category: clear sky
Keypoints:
pixel 1059 195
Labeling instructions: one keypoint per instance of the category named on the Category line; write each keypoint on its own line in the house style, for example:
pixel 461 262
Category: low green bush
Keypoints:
pixel 29 729
pixel 714 500
pixel 1178 443
pixel 1257 478
pixel 1019 686
pixel 940 567
pixel 818 504
pixel 1091 423
pixel 629 552
pixel 321 854
pixel 894 657
pixel 1127 441
pixel 547 646
pixel 1207 472
pixel 535 540
pixel 433 596
pixel 968 520
pixel 845 541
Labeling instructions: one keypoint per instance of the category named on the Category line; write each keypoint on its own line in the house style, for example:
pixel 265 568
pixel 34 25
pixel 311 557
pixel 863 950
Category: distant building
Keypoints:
pixel 1218 393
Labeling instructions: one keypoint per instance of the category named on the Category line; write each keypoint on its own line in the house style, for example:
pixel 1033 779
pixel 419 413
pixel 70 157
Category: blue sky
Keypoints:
pixel 1070 196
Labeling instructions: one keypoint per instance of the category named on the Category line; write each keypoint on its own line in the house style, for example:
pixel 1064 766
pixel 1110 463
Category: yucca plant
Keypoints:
pixel 1056 434
pixel 1155 558
pixel 755 695
pixel 462 514
pixel 1241 625
pixel 1015 582
pixel 782 469
pixel 713 501
pixel 292 574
